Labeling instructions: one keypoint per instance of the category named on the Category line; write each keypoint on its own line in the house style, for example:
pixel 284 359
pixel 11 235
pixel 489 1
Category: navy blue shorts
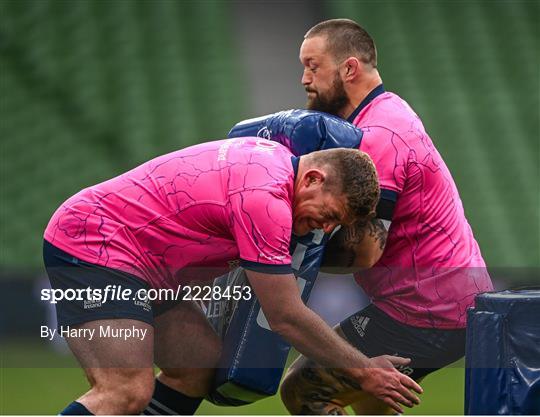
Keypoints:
pixel 67 272
pixel 375 333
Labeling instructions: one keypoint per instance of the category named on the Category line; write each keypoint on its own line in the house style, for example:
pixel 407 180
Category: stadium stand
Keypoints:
pixel 467 70
pixel 92 88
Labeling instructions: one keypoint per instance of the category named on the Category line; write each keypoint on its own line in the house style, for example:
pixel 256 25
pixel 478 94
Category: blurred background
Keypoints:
pixel 89 89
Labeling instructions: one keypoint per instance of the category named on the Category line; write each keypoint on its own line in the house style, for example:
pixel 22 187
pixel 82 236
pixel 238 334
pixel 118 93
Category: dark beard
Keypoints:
pixel 332 102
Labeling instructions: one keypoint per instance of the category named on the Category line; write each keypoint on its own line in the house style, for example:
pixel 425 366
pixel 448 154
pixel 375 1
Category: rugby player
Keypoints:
pixel 180 219
pixel 426 265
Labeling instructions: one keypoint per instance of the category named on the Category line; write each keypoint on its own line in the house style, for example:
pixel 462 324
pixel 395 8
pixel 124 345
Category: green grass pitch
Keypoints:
pixel 40 390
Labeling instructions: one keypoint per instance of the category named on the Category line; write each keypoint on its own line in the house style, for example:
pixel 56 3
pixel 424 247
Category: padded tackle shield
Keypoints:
pixel 254 357
pixel 302 131
pixel 502 373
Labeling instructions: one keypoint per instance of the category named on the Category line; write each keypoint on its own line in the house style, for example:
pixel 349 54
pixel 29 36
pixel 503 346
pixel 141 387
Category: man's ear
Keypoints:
pixel 351 68
pixel 314 176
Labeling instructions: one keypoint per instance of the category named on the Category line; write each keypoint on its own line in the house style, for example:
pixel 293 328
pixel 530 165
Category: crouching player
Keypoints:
pixel 182 218
pixel 426 264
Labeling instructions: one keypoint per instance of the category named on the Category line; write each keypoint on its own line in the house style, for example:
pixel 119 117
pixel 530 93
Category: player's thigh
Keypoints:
pixel 112 343
pixel 374 333
pixel 119 368
pixel 91 292
pixel 102 332
pixel 187 349
pixel 185 339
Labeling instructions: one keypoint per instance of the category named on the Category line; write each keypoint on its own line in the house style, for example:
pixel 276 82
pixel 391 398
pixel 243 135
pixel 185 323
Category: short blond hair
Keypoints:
pixel 353 175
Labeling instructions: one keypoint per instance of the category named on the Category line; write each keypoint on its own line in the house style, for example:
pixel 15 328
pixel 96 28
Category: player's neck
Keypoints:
pixel 299 173
pixel 359 91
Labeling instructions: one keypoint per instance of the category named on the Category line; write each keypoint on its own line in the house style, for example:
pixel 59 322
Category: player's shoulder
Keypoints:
pixel 255 148
pixel 260 169
pixel 389 111
pixel 391 115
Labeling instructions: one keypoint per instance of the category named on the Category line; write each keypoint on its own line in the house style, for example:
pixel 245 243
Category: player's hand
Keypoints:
pixel 385 382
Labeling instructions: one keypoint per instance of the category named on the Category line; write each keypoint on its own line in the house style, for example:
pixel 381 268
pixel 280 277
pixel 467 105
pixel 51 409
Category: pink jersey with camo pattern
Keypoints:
pixel 431 268
pixel 186 216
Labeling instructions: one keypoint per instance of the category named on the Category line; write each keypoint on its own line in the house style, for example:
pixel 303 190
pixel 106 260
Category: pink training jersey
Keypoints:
pixel 186 216
pixel 431 268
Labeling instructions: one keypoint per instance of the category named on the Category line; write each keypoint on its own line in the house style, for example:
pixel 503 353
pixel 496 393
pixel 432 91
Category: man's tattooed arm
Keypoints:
pixel 312 390
pixel 355 247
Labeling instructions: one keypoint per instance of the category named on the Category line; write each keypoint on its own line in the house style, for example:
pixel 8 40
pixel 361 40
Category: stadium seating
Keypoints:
pixel 90 89
pixel 467 71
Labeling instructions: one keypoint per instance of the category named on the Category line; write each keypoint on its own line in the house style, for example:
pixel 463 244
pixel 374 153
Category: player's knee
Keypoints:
pixel 195 382
pixel 136 397
pixel 130 395
pixel 212 352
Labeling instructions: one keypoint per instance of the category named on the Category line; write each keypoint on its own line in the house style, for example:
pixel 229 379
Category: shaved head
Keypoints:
pixel 345 38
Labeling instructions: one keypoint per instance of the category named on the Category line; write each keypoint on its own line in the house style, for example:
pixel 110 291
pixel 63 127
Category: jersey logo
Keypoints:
pixel 360 323
pixel 264 133
pixel 272 257
pixel 223 150
pixel 266 146
pixel 89 304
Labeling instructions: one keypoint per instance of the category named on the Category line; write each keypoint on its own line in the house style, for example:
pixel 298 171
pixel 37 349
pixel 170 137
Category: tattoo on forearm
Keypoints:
pixel 344 380
pixel 317 390
pixel 311 375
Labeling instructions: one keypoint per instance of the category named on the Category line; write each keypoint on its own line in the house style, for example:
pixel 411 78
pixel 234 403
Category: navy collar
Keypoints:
pixel 369 98
pixel 295 162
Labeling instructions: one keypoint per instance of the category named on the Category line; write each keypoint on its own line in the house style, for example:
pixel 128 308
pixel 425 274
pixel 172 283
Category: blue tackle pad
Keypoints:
pixel 254 357
pixel 302 131
pixel 502 373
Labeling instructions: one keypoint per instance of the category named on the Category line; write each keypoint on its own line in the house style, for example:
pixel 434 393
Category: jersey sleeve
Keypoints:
pixel 390 155
pixel 261 223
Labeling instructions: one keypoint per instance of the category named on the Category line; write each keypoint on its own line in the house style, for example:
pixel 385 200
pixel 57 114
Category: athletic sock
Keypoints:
pixel 75 409
pixel 167 401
